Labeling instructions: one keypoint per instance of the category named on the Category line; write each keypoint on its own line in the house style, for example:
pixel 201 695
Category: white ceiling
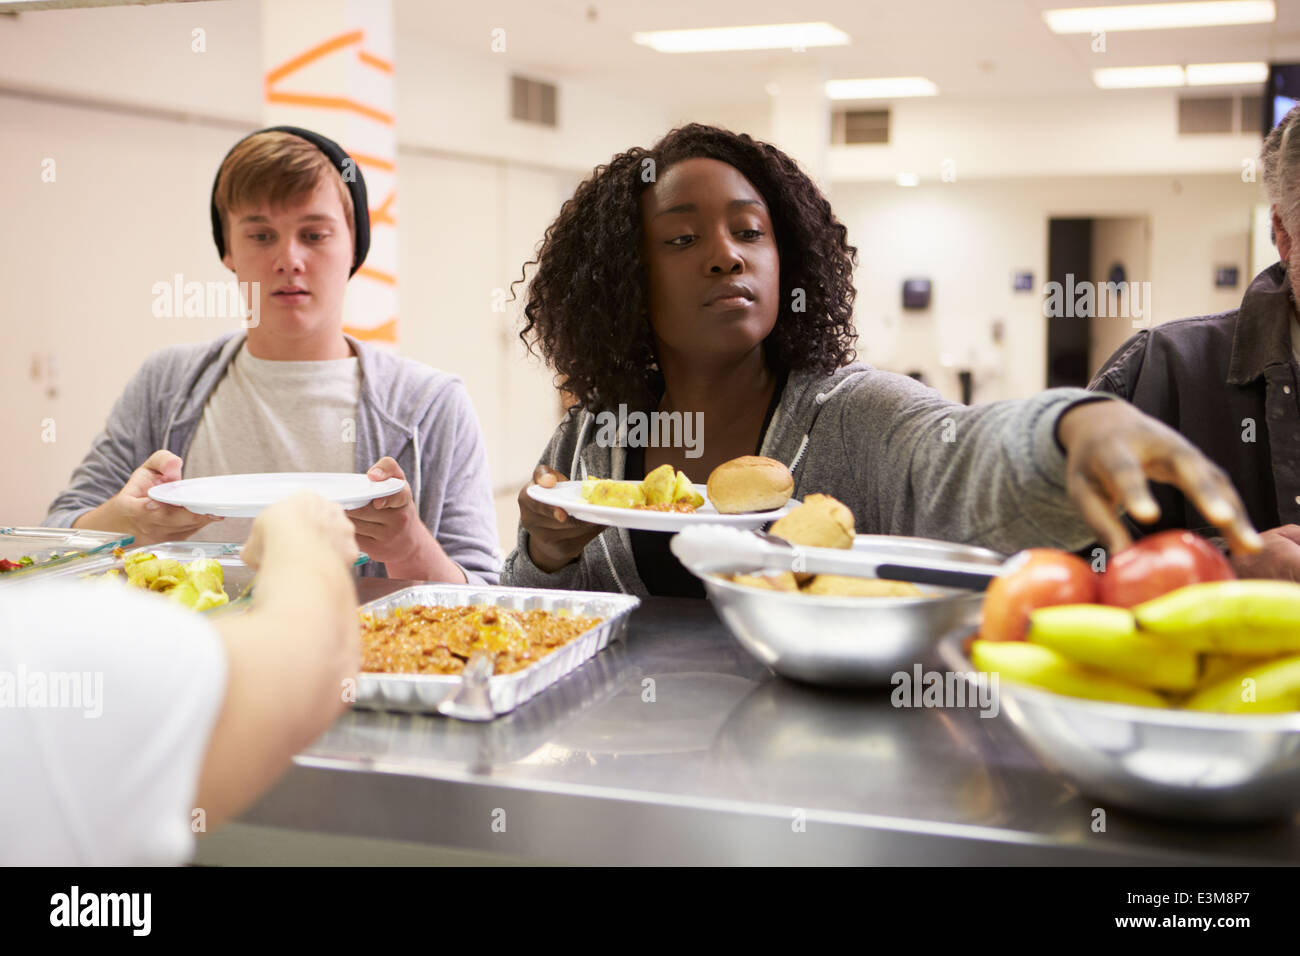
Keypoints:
pixel 970 48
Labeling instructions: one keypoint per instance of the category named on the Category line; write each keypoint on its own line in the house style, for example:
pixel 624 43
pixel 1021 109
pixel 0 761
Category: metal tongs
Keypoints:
pixel 704 548
pixel 473 699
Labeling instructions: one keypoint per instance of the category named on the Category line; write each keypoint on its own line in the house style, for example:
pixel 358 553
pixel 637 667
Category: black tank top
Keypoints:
pixel 663 574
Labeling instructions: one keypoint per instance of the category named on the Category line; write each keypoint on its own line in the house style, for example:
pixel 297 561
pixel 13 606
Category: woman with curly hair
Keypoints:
pixel 709 275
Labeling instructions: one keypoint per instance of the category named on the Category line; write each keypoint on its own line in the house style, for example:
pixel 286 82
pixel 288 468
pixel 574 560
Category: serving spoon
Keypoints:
pixel 707 547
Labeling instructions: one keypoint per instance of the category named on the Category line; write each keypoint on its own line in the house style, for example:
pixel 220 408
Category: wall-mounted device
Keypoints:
pixel 916 293
pixel 1225 277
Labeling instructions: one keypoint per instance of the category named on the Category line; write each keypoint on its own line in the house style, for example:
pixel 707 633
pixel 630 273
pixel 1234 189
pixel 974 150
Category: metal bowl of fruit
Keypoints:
pixel 1186 705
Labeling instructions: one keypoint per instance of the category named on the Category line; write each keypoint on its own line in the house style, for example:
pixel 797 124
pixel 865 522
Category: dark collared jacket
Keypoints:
pixel 1223 380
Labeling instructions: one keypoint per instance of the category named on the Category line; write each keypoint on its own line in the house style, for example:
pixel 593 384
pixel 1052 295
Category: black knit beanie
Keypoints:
pixel 347 168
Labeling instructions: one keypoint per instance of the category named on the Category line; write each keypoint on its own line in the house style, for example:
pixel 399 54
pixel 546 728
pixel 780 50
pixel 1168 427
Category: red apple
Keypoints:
pixel 1047 577
pixel 1159 564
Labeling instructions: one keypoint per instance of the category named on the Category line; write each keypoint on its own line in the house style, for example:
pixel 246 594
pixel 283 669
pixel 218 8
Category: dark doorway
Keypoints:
pixel 1069 261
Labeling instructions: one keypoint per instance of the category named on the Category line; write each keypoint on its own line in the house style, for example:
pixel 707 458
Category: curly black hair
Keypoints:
pixel 586 309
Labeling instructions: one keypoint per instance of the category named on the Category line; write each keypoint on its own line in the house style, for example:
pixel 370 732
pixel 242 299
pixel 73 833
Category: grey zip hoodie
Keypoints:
pixel 421 417
pixel 904 460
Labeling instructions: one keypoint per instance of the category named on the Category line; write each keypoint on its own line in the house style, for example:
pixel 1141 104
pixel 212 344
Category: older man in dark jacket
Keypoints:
pixel 1230 384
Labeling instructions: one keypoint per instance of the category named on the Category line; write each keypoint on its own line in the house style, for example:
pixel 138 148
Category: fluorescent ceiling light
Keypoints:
pixel 1160 16
pixel 1196 74
pixel 24 6
pixel 907 179
pixel 1138 77
pixel 880 88
pixel 775 36
pixel 1225 74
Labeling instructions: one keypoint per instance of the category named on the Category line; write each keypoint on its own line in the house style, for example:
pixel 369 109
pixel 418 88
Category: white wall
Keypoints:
pixel 1125 241
pixel 970 236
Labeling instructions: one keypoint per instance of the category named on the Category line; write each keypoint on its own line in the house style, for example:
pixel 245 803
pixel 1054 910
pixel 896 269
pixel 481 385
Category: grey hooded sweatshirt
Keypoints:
pixel 904 459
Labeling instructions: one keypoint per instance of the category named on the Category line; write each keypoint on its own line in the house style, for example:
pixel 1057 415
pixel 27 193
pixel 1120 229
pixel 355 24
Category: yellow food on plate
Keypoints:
pixel 615 494
pixel 685 492
pixel 659 485
pixel 820 522
pixel 750 483
pixel 662 490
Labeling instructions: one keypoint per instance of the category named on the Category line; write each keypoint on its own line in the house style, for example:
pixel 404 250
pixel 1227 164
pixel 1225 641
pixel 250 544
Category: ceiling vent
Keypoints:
pixel 853 127
pixel 532 101
pixel 1219 114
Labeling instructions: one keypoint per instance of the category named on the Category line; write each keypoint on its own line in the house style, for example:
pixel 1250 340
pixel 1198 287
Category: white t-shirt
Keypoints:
pixel 108 696
pixel 275 416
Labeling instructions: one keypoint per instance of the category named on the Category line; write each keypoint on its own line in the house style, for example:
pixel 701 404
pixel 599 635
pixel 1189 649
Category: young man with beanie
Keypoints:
pixel 294 393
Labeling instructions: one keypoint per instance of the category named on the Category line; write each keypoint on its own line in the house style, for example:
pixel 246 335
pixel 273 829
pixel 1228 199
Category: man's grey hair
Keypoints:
pixel 1281 159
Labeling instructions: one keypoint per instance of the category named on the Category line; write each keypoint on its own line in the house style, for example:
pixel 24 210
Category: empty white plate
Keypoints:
pixel 246 496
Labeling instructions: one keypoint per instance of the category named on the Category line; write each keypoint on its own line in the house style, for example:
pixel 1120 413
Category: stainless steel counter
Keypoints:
pixel 677 747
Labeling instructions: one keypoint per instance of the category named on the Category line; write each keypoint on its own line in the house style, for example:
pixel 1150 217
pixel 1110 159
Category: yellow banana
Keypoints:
pixel 1232 617
pixel 1258 688
pixel 1215 667
pixel 1027 663
pixel 1107 638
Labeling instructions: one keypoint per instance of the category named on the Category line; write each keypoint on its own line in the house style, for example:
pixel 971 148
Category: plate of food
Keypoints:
pixel 247 496
pixel 744 493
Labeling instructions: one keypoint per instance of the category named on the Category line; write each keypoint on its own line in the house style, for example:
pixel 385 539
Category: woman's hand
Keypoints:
pixel 554 538
pixel 303 523
pixel 1112 450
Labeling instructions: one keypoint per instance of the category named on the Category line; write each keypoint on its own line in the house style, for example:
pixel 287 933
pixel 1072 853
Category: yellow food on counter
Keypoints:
pixel 198 585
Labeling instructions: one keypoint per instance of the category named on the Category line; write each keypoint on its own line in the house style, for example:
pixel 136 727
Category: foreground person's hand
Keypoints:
pixel 1112 450
pixel 132 510
pixel 292 659
pixel 554 537
pixel 302 522
pixel 1280 557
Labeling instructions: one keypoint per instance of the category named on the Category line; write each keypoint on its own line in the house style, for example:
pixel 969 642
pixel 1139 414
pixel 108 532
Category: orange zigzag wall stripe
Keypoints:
pixel 380 333
pixel 311 56
pixel 332 45
pixel 387 331
pixel 382 215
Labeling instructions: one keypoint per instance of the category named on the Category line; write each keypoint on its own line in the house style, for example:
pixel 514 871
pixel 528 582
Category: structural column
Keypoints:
pixel 328 67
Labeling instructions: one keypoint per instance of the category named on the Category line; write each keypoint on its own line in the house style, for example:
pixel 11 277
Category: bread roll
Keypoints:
pixel 836 585
pixel 820 522
pixel 781 581
pixel 749 483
